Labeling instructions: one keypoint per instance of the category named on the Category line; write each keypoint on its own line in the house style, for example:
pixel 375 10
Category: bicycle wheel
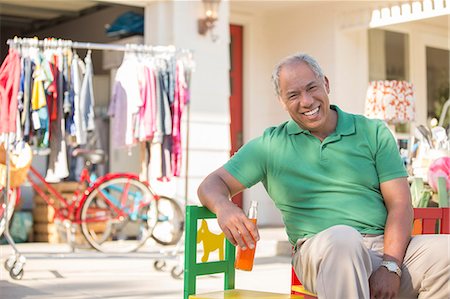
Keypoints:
pixel 119 215
pixel 170 226
pixel 7 212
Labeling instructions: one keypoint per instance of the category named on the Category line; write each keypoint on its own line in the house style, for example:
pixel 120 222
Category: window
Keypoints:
pixel 437 82
pixel 389 60
pixel 388 55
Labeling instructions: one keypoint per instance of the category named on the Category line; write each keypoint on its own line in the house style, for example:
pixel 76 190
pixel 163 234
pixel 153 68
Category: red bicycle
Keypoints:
pixel 117 213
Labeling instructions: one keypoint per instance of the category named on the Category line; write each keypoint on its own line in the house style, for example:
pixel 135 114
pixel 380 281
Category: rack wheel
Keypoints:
pixel 16 273
pixel 177 272
pixel 159 265
pixel 10 262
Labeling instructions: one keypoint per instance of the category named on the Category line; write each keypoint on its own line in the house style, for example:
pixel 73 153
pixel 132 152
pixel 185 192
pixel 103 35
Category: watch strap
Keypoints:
pixel 392 267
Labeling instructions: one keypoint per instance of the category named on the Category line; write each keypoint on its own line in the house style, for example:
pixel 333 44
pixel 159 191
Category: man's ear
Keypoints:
pixel 327 84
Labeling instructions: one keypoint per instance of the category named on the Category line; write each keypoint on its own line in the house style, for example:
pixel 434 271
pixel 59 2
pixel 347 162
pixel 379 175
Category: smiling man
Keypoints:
pixel 342 190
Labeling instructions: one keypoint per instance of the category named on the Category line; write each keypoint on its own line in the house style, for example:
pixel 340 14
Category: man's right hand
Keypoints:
pixel 215 193
pixel 238 229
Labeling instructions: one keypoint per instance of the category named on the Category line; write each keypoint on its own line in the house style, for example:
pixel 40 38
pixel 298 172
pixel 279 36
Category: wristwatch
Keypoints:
pixel 392 267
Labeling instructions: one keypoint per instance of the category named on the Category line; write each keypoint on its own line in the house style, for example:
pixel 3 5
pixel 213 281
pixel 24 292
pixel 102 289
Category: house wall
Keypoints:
pixel 259 101
pixel 421 35
pixel 338 39
pixel 209 134
pixel 269 35
pixel 273 34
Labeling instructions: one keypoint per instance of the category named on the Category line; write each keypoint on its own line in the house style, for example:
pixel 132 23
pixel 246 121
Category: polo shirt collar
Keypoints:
pixel 345 125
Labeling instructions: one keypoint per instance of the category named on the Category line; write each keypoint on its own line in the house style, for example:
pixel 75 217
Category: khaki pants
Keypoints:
pixel 337 263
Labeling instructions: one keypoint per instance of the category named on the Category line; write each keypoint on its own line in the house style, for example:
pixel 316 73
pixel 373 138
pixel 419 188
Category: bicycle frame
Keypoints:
pixel 69 207
pixel 115 203
pixel 72 211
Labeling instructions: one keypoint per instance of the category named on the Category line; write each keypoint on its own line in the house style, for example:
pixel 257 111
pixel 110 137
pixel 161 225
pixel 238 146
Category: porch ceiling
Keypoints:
pixel 26 15
pixel 262 7
pixel 30 15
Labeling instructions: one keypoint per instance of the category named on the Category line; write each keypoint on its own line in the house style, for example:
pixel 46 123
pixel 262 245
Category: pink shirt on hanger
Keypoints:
pixel 9 89
pixel 147 112
pixel 180 100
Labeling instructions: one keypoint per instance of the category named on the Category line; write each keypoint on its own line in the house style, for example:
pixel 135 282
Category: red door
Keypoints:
pixel 236 93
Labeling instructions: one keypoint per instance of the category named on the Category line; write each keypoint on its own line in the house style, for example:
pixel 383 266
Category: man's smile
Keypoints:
pixel 311 112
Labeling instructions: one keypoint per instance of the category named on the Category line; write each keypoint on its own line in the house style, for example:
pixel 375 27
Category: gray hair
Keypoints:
pixel 299 57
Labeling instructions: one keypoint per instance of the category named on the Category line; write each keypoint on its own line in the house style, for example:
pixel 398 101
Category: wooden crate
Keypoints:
pixel 45 230
pixel 43 214
pixel 64 187
pixel 38 200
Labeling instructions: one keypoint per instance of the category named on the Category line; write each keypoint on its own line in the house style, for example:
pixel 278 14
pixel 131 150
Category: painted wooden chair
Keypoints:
pixel 192 268
pixel 426 221
pixel 421 195
pixel 431 221
pixel 298 288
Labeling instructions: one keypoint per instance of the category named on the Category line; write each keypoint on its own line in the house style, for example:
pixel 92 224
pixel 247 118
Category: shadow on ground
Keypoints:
pixel 10 290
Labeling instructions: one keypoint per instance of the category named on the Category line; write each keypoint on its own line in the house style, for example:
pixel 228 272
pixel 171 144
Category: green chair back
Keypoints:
pixel 192 268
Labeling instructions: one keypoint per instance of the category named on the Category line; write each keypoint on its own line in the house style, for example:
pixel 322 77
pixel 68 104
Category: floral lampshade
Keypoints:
pixel 392 101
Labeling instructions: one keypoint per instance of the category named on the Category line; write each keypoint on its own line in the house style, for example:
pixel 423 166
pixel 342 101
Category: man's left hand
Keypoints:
pixel 384 284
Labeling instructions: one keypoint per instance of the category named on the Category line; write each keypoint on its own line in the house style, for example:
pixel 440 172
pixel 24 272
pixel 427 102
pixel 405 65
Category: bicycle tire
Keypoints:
pixel 113 223
pixel 170 226
pixel 6 215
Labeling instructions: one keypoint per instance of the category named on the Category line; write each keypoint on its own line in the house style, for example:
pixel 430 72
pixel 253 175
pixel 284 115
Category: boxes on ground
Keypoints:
pixel 44 227
pixel 20 227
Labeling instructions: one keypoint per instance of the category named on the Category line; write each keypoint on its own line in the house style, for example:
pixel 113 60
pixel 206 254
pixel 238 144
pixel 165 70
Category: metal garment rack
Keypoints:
pixel 17 261
pixel 55 43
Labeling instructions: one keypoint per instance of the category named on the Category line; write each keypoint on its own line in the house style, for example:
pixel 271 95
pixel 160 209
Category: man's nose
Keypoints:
pixel 306 100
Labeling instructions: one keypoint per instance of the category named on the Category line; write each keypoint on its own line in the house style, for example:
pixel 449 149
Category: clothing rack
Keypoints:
pixel 54 43
pixel 15 263
pixel 19 260
pixel 140 48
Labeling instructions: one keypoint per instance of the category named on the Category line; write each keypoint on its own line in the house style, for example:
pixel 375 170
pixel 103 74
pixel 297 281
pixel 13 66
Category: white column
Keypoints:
pixel 175 22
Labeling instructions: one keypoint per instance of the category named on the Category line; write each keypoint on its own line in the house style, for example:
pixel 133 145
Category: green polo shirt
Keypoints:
pixel 317 184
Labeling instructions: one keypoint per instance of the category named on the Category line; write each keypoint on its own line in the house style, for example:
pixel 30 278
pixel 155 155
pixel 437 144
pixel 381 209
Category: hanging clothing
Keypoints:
pixel 87 99
pixel 147 113
pixel 39 114
pixel 77 70
pixel 68 106
pixel 51 91
pixel 180 100
pixel 28 67
pixel 126 100
pixel 9 88
pixel 149 96
pixel 118 112
pixel 57 168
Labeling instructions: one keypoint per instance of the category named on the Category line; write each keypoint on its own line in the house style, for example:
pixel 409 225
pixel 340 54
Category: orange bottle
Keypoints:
pixel 245 258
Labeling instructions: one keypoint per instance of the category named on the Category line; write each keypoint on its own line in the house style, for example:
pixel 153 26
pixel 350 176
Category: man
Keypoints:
pixel 342 189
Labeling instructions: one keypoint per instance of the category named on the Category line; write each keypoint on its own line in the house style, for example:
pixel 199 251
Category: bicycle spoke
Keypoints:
pixel 127 214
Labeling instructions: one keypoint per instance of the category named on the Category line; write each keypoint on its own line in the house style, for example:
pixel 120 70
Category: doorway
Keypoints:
pixel 236 92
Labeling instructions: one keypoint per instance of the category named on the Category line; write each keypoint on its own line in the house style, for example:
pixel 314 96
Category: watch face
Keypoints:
pixel 391 267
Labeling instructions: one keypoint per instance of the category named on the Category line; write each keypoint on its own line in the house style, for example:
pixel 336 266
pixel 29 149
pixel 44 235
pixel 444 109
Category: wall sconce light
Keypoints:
pixel 207 23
